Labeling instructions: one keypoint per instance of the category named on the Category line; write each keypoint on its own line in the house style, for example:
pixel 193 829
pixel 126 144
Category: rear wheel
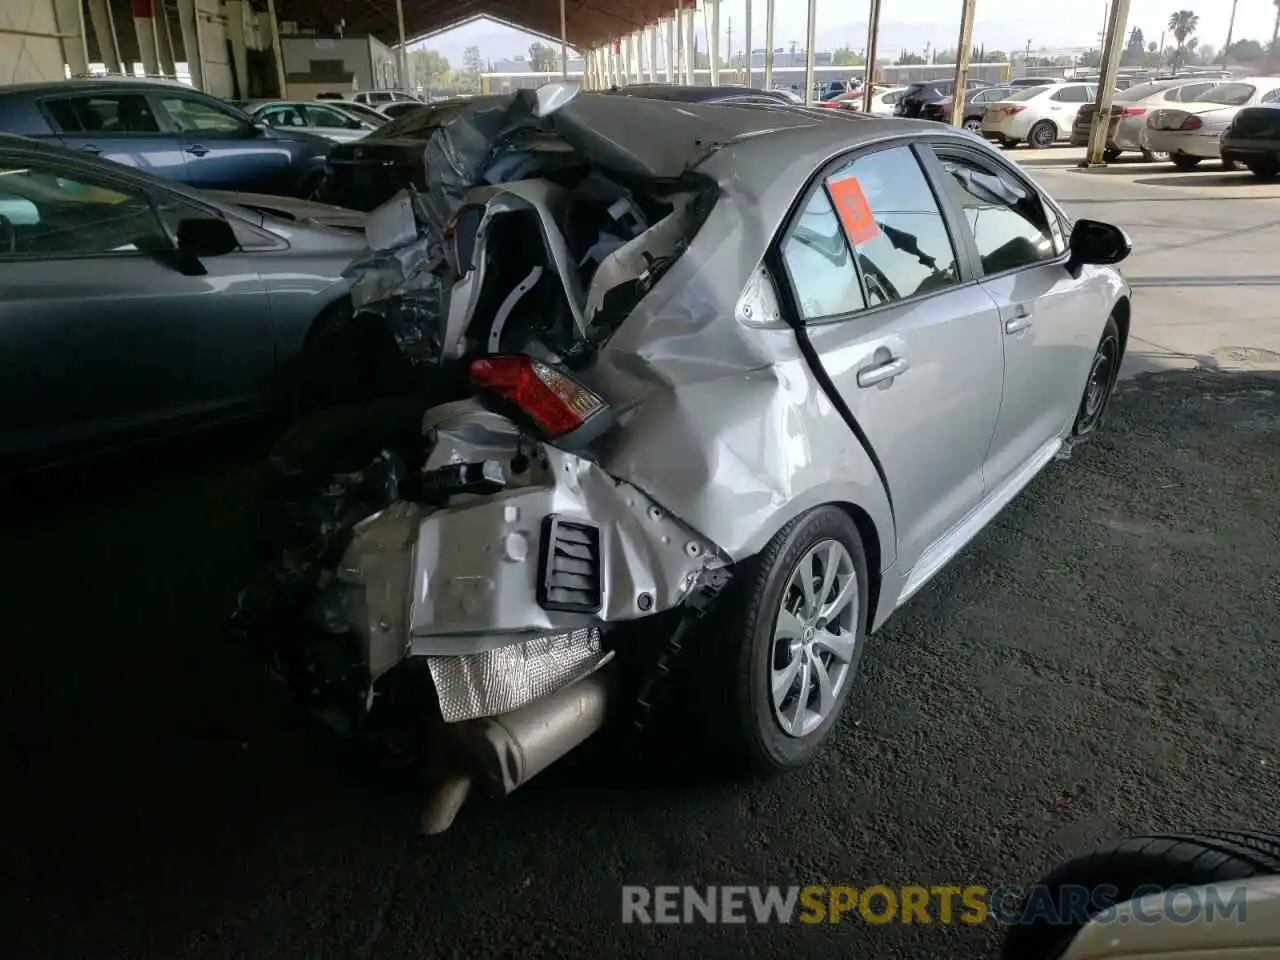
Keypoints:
pixel 1151 156
pixel 1141 865
pixel 973 126
pixel 1184 162
pixel 788 640
pixel 1042 135
pixel 1111 155
pixel 1229 165
pixel 1103 373
pixel 1263 171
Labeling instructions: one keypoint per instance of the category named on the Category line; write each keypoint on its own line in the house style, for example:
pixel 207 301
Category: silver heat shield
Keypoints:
pixel 506 678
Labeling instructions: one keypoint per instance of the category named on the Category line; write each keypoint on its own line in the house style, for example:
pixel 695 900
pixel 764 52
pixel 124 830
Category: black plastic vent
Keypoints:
pixel 570 576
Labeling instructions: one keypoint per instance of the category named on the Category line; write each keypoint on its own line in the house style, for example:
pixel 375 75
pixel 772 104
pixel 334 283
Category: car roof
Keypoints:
pixel 688 94
pixel 95 86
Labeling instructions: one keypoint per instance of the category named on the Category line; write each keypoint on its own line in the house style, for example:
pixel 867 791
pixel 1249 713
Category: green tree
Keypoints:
pixel 908 59
pixel 542 59
pixel 1246 51
pixel 1182 24
pixel 1137 42
pixel 431 68
pixel 845 57
pixel 1091 58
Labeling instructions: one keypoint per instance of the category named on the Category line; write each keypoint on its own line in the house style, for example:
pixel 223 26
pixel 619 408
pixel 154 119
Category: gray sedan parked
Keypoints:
pixel 133 304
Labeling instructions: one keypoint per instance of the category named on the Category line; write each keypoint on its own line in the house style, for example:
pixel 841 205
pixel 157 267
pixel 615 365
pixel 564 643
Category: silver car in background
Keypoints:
pixel 332 119
pixel 134 306
pixel 805 358
pixel 1128 133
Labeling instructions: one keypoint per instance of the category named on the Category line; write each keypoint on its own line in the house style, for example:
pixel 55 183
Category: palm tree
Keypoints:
pixel 1182 25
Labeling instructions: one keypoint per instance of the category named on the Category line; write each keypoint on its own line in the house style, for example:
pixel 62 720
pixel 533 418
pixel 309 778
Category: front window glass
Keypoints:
pixel 50 215
pixel 1007 220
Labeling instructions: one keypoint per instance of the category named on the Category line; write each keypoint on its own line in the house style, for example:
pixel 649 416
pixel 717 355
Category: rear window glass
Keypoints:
pixel 1232 94
pixel 1028 93
pixel 1140 92
pixel 104 114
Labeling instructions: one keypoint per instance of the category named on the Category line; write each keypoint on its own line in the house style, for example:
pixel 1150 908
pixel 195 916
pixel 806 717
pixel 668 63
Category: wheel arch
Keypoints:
pixel 1121 312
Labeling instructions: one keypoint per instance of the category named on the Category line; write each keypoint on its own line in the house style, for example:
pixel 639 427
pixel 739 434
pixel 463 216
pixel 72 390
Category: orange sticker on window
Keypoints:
pixel 855 213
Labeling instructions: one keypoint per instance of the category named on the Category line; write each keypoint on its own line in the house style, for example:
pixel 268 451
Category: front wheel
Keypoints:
pixel 1103 373
pixel 1152 156
pixel 973 126
pixel 1140 865
pixel 1184 162
pixel 1111 155
pixel 1042 135
pixel 789 639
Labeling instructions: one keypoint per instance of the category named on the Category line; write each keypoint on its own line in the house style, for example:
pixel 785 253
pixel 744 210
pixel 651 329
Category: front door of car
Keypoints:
pixel 912 350
pixel 116 126
pixel 223 150
pixel 1050 322
pixel 101 333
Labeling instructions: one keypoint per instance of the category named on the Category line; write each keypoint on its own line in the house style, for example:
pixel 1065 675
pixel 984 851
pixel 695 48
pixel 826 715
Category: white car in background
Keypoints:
pixel 325 118
pixel 376 97
pixel 1039 115
pixel 1191 133
pixel 398 108
pixel 883 101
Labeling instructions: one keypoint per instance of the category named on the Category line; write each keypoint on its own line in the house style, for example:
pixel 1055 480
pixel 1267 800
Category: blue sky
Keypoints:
pixel 1000 24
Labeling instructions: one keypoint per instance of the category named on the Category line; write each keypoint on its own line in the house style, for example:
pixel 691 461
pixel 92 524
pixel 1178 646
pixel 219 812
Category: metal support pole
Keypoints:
pixel 1112 47
pixel 1231 27
pixel 964 49
pixel 1275 35
pixel 747 43
pixel 810 39
pixel 671 50
pixel 653 53
pixel 713 44
pixel 564 44
pixel 402 53
pixel 768 44
pixel 637 56
pixel 277 50
pixel 873 42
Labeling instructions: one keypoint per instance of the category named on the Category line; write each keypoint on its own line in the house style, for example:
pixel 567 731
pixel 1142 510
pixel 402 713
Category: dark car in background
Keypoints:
pixel 1253 140
pixel 169 130
pixel 975 107
pixel 930 91
pixel 365 174
pixel 134 306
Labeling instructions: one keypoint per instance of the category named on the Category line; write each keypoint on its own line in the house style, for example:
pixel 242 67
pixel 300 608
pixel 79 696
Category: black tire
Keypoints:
pixel 1104 370
pixel 309 187
pixel 1151 156
pixel 739 647
pixel 1230 165
pixel 1111 155
pixel 1044 134
pixel 1158 862
pixel 1184 162
pixel 1263 172
pixel 973 126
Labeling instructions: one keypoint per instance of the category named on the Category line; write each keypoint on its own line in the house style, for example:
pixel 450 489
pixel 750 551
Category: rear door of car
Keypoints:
pixel 1049 321
pixel 120 126
pixel 1065 103
pixel 909 341
pixel 223 150
pixel 101 336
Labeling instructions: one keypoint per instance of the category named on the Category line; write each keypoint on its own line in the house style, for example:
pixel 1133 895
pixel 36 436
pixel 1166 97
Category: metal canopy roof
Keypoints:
pixel 589 22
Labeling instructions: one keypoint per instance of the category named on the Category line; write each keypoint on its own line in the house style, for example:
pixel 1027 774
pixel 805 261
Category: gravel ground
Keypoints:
pixel 1102 661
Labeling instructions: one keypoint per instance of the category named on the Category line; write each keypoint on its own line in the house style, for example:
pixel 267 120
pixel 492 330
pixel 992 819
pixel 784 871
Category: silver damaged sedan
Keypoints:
pixel 773 369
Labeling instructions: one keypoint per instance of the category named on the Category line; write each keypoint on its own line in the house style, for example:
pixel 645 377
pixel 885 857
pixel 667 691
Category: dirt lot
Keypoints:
pixel 1102 661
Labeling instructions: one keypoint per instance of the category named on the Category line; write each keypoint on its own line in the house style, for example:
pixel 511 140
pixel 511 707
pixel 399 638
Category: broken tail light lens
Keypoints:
pixel 555 402
pixel 1191 123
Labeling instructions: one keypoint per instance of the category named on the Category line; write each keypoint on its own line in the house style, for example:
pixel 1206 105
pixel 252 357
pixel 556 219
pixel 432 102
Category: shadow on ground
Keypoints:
pixel 1102 661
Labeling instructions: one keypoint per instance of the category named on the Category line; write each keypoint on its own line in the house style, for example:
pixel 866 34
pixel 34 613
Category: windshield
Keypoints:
pixel 1028 93
pixel 417 123
pixel 1232 94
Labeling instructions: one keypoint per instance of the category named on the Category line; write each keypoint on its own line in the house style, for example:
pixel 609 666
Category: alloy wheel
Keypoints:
pixel 814 638
pixel 974 126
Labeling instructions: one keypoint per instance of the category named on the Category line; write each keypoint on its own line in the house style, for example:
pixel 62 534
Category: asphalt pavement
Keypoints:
pixel 1102 661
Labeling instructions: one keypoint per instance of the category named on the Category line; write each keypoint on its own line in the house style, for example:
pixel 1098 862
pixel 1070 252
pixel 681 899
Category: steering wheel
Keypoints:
pixel 8 235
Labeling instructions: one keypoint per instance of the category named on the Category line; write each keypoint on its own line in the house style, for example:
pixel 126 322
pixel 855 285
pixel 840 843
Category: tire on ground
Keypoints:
pixel 1160 861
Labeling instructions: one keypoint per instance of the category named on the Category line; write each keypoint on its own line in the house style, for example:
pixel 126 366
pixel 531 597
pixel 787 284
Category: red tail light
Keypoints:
pixel 1134 111
pixel 1010 111
pixel 555 402
pixel 1191 123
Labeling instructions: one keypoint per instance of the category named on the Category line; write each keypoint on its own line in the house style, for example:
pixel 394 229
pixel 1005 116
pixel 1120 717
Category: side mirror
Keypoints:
pixel 206 237
pixel 550 97
pixel 1093 241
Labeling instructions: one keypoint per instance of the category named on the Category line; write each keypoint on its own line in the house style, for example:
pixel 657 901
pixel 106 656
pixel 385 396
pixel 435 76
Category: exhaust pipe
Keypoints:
pixel 503 752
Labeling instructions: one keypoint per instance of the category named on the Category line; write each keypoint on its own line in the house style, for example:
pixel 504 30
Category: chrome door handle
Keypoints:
pixel 881 372
pixel 1017 324
pixel 198 150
